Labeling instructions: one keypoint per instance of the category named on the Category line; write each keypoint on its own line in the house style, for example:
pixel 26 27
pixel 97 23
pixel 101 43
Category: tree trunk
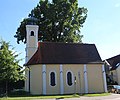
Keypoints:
pixel 6 91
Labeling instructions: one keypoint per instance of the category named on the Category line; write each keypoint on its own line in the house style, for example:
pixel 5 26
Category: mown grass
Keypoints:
pixel 96 94
pixel 40 97
pixel 52 97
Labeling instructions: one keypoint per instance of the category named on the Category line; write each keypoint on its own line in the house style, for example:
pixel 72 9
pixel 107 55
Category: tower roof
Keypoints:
pixel 32 20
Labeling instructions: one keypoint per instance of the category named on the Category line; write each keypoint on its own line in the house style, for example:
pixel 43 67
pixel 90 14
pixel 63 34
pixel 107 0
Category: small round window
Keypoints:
pixel 32 33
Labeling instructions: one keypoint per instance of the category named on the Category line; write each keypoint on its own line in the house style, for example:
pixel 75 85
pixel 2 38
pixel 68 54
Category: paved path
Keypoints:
pixel 110 97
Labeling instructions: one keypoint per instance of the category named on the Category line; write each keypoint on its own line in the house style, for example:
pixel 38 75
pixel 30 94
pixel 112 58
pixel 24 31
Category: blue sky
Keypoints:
pixel 102 26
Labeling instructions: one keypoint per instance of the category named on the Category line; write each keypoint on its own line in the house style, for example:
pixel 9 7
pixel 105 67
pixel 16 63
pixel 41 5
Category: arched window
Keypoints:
pixel 69 78
pixel 52 79
pixel 32 33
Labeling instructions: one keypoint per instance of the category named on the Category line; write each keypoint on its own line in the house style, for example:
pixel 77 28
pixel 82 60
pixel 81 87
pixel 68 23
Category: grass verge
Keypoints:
pixel 96 94
pixel 53 97
pixel 40 97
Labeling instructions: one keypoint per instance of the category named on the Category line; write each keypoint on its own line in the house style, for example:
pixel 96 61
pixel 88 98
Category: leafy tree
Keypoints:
pixel 58 20
pixel 10 71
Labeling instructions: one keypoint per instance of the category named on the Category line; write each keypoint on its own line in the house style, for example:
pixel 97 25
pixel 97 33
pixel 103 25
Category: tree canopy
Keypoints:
pixel 58 21
pixel 10 71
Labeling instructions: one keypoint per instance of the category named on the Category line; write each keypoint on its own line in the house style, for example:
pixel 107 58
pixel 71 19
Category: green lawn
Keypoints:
pixel 51 97
pixel 40 97
pixel 94 95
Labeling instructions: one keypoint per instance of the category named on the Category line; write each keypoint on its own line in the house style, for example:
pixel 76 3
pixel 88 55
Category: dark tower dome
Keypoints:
pixel 32 20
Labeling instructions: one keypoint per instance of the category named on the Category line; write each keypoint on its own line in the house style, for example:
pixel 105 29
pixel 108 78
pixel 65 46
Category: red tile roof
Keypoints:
pixel 65 53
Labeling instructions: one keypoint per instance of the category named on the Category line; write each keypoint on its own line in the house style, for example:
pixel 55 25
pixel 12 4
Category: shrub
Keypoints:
pixel 19 92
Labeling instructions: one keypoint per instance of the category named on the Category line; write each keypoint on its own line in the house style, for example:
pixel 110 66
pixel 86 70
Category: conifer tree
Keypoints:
pixel 10 71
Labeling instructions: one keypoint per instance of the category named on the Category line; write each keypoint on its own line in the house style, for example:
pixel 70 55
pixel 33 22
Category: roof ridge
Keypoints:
pixel 113 57
pixel 65 43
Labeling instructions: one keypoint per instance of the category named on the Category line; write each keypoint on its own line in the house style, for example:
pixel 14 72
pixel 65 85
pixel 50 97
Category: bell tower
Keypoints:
pixel 31 46
pixel 32 38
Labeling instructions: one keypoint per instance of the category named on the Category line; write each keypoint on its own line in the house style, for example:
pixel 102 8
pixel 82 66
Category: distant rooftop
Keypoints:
pixel 114 62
